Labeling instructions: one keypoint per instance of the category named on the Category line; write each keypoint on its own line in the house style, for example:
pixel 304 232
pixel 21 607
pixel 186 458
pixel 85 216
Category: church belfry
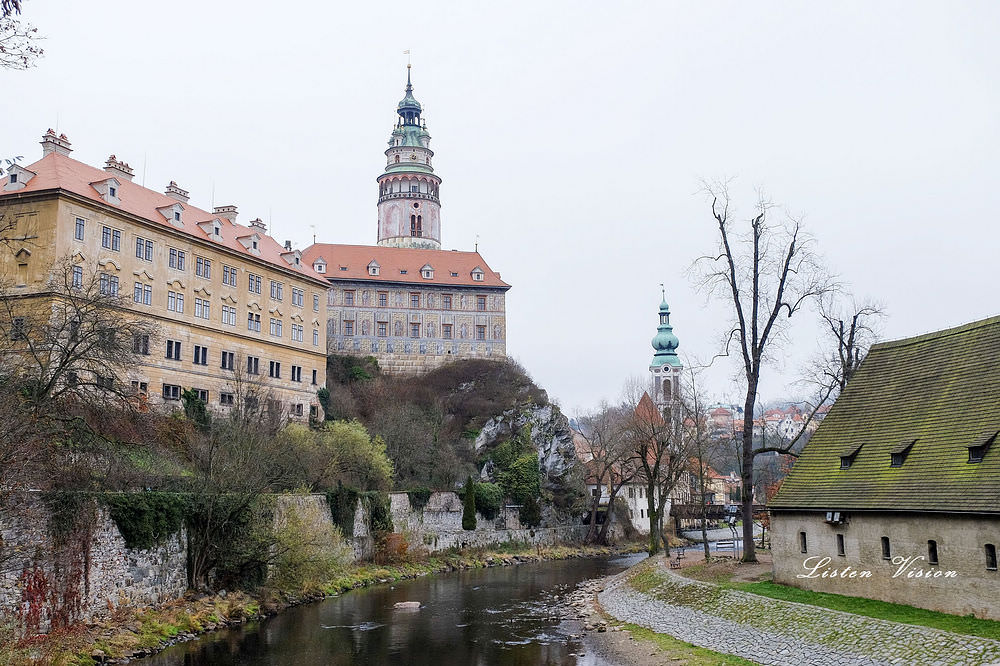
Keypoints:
pixel 666 367
pixel 409 207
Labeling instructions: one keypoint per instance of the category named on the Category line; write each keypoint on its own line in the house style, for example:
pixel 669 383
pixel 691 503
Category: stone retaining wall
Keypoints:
pixel 47 582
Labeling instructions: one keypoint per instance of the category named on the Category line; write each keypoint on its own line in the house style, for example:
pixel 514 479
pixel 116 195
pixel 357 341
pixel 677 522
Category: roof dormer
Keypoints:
pixel 427 272
pixel 319 265
pixel 108 189
pixel 16 178
pixel 373 268
pixel 173 214
pixel 213 228
pixel 293 257
pixel 251 242
pixel 477 274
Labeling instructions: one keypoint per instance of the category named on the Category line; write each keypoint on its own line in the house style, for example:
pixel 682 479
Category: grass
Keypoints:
pixel 680 652
pixel 882 610
pixel 721 573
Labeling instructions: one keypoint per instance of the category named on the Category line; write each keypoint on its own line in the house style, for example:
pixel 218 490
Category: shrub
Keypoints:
pixel 379 515
pixel 489 500
pixel 305 558
pixel 419 497
pixel 343 503
pixel 146 519
pixel 530 513
pixel 391 548
pixel 469 505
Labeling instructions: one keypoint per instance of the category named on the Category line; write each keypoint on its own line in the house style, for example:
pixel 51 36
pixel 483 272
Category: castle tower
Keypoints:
pixel 409 210
pixel 666 366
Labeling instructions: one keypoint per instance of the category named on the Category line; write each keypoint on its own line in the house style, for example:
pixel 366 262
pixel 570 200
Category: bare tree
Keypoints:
pixel 851 329
pixel 609 458
pixel 703 447
pixel 18 40
pixel 75 340
pixel 659 455
pixel 767 273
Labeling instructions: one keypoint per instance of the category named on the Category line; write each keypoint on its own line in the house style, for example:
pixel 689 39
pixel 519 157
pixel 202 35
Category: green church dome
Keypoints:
pixel 665 343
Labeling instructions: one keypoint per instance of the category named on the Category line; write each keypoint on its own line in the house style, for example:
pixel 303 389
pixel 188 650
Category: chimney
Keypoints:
pixel 55 144
pixel 116 167
pixel 258 225
pixel 288 246
pixel 175 192
pixel 225 212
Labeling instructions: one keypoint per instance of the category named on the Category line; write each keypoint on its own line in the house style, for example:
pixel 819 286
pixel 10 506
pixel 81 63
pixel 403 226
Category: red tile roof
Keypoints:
pixel 391 260
pixel 60 171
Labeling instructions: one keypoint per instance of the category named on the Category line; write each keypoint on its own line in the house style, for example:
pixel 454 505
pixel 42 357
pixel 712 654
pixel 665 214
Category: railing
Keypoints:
pixel 408 195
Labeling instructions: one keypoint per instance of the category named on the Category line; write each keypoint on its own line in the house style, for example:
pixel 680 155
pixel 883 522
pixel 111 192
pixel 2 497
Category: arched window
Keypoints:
pixel 397 159
pixel 413 225
pixel 420 228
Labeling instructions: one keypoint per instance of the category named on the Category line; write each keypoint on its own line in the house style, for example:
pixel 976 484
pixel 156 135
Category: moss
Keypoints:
pixel 686 653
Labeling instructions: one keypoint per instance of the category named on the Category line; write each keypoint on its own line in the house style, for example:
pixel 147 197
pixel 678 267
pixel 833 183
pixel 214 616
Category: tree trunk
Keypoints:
pixel 749 551
pixel 654 523
pixel 595 506
pixel 602 538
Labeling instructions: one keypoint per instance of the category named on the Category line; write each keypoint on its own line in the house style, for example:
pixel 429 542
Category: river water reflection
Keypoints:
pixel 504 616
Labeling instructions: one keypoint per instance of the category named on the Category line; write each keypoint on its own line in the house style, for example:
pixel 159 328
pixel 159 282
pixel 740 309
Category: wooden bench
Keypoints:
pixel 729 545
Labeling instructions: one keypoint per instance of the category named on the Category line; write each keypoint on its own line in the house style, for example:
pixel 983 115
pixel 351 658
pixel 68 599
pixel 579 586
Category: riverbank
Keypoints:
pixel 764 630
pixel 132 633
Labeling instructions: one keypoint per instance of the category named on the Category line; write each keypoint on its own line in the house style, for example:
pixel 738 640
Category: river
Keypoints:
pixel 501 616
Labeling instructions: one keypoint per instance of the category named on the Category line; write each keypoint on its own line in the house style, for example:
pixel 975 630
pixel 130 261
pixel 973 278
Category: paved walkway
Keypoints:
pixel 783 633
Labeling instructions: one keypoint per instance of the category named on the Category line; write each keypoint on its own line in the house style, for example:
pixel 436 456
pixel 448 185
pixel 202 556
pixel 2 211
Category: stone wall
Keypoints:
pixel 961 542
pixel 438 525
pixel 48 581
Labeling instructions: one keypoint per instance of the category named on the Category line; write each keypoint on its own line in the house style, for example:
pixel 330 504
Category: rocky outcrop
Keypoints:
pixel 548 429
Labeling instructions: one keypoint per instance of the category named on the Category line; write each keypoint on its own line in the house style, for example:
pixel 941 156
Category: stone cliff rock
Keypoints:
pixel 562 483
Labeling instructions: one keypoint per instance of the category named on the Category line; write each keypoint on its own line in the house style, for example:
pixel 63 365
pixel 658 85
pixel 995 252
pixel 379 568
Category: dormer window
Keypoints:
pixel 13 178
pixel 319 267
pixel 477 274
pixel 254 244
pixel 977 451
pixel 898 454
pixel 373 268
pixel 108 189
pixel 216 230
pixel 177 215
pixel 847 458
pixel 427 272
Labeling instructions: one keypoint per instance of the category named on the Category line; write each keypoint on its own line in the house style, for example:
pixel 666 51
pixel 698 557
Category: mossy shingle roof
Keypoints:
pixel 940 391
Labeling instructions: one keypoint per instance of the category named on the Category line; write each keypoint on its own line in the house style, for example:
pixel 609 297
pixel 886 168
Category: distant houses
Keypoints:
pixel 897 494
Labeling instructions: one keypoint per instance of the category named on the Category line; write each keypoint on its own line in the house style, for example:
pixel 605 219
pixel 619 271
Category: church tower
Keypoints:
pixel 666 366
pixel 409 210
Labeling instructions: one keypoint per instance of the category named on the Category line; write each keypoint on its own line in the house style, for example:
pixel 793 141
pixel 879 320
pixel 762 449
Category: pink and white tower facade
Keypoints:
pixel 409 207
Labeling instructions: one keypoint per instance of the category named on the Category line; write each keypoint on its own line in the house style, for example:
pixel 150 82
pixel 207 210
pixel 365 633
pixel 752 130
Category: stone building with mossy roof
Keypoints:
pixel 897 494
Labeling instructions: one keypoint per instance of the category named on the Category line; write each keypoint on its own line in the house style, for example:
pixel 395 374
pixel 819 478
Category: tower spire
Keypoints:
pixel 409 86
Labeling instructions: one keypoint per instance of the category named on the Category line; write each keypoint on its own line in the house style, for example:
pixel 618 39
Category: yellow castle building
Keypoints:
pixel 224 299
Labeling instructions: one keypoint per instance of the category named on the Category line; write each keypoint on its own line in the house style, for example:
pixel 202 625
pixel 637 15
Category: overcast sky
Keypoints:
pixel 572 138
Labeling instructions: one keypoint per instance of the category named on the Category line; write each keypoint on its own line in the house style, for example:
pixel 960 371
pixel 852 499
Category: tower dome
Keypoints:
pixel 409 207
pixel 665 343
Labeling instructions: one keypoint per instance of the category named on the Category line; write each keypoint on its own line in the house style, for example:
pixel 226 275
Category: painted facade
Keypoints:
pixel 217 291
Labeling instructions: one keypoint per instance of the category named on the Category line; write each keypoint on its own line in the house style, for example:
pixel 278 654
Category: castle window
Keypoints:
pixel 415 300
pixel 78 233
pixel 840 545
pixel 171 392
pixel 382 330
pixel 113 192
pixel 446 302
pixel 414 330
pixel 480 332
pixel 13 178
pixel 886 550
pixel 991 557
pixel 349 298
pixel 383 299
pixel 446 331
pixel 397 159
pixel 932 552
pixel 348 327
pixel 481 303
pixel 227 399
pixel 802 543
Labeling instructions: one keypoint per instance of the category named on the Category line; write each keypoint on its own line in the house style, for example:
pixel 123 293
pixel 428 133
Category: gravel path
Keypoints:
pixel 769 631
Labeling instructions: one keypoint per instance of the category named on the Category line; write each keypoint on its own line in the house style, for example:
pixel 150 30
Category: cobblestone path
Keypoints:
pixel 769 631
